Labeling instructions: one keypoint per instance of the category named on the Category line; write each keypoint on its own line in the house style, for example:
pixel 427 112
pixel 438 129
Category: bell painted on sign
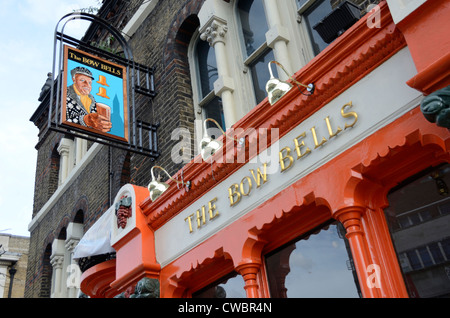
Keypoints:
pixel 102 92
pixel 102 80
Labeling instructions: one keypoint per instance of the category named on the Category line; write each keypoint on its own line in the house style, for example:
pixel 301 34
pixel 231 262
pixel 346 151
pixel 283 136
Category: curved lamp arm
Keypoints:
pixel 182 183
pixel 240 141
pixel 309 87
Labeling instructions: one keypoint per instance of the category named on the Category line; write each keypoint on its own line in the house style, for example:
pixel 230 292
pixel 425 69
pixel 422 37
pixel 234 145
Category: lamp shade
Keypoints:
pixel 276 89
pixel 157 188
pixel 209 147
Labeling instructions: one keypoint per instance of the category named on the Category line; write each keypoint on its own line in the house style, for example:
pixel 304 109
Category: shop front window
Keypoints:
pixel 419 222
pixel 316 265
pixel 232 286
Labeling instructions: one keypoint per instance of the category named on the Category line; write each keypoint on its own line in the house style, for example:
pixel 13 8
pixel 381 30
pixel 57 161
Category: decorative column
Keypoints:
pixel 63 150
pixel 74 272
pixel 57 263
pixel 249 272
pixel 73 236
pixel 214 32
pixel 278 36
pixel 350 217
pixel 81 148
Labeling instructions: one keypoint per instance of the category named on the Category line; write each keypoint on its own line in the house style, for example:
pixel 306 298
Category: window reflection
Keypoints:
pixel 207 67
pixel 260 74
pixel 314 12
pixel 318 265
pixel 214 110
pixel 419 223
pixel 231 286
pixel 312 16
pixel 254 24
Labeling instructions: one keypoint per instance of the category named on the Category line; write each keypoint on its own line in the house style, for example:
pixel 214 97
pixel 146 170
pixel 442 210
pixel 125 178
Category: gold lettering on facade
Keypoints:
pixel 189 219
pixel 283 157
pixel 316 143
pixel 298 146
pixel 200 215
pixel 212 209
pixel 249 187
pixel 330 130
pixel 233 194
pixel 237 191
pixel 350 114
pixel 259 175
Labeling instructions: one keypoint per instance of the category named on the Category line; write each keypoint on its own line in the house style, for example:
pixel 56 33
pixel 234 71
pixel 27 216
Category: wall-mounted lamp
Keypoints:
pixel 157 187
pixel 210 146
pixel 276 89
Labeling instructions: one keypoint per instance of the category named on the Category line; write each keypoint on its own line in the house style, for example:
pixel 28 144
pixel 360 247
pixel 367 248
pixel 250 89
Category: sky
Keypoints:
pixel 26 56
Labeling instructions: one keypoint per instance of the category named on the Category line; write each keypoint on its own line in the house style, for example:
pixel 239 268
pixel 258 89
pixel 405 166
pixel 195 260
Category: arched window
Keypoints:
pixel 204 73
pixel 207 74
pixel 254 27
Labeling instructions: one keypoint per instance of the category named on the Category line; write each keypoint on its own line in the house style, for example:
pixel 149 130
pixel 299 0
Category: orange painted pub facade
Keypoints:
pixel 345 193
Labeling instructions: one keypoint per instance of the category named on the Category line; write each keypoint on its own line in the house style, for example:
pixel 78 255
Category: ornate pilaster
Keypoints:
pixel 249 272
pixel 214 31
pixel 57 262
pixel 64 151
pixel 350 217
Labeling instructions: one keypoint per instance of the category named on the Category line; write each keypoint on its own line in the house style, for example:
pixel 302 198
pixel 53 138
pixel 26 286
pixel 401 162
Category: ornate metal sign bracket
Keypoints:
pixel 142 139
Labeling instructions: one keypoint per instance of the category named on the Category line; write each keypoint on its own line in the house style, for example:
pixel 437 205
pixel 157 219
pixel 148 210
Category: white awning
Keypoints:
pixel 97 240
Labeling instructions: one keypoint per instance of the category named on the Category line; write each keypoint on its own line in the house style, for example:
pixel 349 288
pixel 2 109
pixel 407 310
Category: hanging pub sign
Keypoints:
pixel 94 95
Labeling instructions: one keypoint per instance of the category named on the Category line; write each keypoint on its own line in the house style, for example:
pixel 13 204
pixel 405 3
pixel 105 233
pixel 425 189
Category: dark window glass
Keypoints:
pixel 318 265
pixel 436 253
pixel 315 13
pixel 207 67
pixel 312 16
pixel 214 110
pixel 425 256
pixel 414 259
pixel 426 239
pixel 446 248
pixel 260 74
pixel 254 24
pixel 229 287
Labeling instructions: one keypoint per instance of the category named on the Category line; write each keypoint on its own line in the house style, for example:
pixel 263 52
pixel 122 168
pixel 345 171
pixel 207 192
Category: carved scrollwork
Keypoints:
pixel 215 32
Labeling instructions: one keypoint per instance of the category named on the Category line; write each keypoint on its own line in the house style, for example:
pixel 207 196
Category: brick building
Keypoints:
pixel 210 60
pixel 13 265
